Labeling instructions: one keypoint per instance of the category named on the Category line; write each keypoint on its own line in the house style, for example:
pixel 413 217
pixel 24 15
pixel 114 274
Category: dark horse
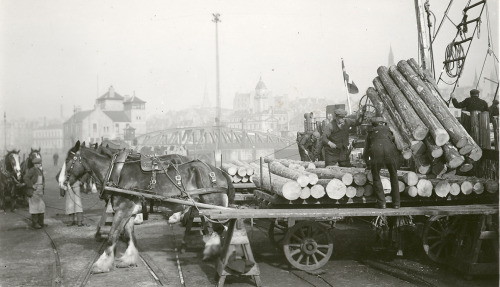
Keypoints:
pixel 10 179
pixel 193 175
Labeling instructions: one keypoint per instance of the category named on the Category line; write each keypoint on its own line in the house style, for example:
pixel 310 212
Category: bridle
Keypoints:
pixel 76 157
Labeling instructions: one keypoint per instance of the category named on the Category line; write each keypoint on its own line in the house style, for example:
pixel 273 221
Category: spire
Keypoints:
pixel 391 57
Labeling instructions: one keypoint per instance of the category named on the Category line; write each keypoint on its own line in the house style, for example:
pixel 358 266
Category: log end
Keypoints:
pixel 461 142
pixel 441 137
pixel 437 153
pixel 455 162
pixel 466 149
pixel 420 133
pixel 466 167
pixel 406 154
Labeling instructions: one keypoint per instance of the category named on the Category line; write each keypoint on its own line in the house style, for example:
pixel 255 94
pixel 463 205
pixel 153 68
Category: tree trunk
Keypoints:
pixel 229 168
pixel 491 186
pixel 368 190
pixel 410 117
pixel 467 165
pixel 236 178
pixel 422 163
pixel 478 188
pixel 317 191
pixel 401 144
pixel 432 149
pixel 305 193
pixel 495 131
pixel 439 166
pixel 441 187
pixel 466 187
pixel 411 191
pixel 359 178
pixel 410 178
pixel 330 173
pixel 452 156
pixel 336 189
pixel 350 191
pixel 436 129
pixel 360 191
pixel 281 186
pixel 279 169
pixel 244 179
pixel 455 188
pixel 435 105
pixel 424 188
pixel 484 130
pixel 401 185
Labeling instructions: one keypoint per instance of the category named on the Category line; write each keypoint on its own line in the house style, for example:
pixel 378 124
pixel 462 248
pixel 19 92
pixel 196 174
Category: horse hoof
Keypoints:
pixel 97 270
pixel 125 265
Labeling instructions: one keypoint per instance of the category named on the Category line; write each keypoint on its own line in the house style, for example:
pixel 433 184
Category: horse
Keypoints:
pixel 189 178
pixel 10 179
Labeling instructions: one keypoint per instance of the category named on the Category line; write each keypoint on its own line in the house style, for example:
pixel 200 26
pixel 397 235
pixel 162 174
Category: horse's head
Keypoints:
pixel 34 153
pixel 73 167
pixel 13 163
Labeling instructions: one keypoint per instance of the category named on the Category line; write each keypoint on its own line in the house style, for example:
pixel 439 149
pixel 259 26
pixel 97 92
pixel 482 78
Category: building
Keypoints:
pixel 49 138
pixel 114 117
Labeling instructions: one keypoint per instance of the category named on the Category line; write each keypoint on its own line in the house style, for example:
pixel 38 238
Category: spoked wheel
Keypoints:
pixel 439 237
pixel 308 245
pixel 276 232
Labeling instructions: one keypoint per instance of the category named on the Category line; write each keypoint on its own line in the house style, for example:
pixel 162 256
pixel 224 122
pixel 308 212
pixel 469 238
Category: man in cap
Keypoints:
pixel 380 150
pixel 35 189
pixel 306 143
pixel 472 103
pixel 493 109
pixel 335 139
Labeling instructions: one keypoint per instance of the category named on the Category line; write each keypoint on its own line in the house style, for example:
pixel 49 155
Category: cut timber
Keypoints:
pixel 242 171
pixel 236 178
pixel 467 165
pixel 436 129
pixel 474 125
pixel 386 184
pixel 391 109
pixel 401 144
pixel 313 178
pixel 359 178
pixel 283 171
pixel 281 186
pixel 330 173
pixel 229 168
pixel 439 167
pixel 491 186
pixel 347 178
pixel 428 79
pixel 244 179
pixel 350 191
pixel 323 182
pixel 418 148
pixel 452 156
pixel 433 150
pixel 368 190
pixel 484 130
pixel 410 178
pixel 411 191
pixel 360 191
pixel 320 164
pixel 422 163
pixel 441 187
pixel 405 109
pixel 435 104
pixel 317 191
pixel 466 187
pixel 424 188
pixel 401 185
pixel 336 189
pixel 478 188
pixel 305 193
pixel 455 188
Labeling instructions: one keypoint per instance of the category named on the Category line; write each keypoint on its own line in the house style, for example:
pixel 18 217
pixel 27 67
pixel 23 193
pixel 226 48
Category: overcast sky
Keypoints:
pixel 67 53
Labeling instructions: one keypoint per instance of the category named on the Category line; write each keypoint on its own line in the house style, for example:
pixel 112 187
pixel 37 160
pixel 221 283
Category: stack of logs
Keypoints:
pixel 407 97
pixel 283 178
pixel 239 172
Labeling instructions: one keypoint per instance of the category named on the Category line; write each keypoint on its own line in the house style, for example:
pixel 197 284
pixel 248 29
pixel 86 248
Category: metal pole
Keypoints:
pixel 5 131
pixel 217 85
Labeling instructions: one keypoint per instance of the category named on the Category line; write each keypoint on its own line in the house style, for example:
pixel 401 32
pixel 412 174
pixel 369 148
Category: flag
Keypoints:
pixel 351 87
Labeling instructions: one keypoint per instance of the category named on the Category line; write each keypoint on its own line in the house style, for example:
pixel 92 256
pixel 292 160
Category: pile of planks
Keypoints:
pixel 240 172
pixel 408 98
pixel 349 182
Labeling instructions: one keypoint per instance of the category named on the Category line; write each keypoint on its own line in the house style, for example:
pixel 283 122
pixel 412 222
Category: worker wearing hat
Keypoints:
pixel 307 145
pixel 380 150
pixel 493 109
pixel 35 189
pixel 335 139
pixel 472 103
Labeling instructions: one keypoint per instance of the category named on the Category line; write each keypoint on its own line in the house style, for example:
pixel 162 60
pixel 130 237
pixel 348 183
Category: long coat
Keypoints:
pixel 380 147
pixel 35 182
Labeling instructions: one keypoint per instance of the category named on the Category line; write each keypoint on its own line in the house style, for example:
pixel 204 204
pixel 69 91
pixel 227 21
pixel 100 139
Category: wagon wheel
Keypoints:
pixel 276 232
pixel 439 237
pixel 308 245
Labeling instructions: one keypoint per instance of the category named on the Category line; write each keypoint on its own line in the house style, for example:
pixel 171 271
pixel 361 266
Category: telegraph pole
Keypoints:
pixel 217 86
pixel 5 131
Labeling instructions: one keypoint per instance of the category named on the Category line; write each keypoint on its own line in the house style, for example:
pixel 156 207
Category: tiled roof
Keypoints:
pixel 111 95
pixel 133 99
pixel 78 117
pixel 117 116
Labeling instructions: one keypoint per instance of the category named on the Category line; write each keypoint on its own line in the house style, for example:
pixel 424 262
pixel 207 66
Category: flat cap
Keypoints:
pixel 316 134
pixel 474 92
pixel 36 160
pixel 340 113
pixel 378 120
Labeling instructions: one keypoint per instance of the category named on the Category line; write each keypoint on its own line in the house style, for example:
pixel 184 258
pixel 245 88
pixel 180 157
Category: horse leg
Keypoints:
pixel 131 256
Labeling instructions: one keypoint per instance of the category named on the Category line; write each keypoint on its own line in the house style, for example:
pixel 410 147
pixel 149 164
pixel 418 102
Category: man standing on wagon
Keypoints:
pixel 35 189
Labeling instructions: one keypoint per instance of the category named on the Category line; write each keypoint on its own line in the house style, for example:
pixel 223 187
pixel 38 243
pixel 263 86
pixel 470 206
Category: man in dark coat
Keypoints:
pixel 494 109
pixel 472 103
pixel 335 139
pixel 380 150
pixel 305 143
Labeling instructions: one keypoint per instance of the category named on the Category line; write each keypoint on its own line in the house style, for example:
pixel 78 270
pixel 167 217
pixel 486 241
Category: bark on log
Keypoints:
pixel 281 186
pixel 368 190
pixel 281 170
pixel 359 178
pixel 484 130
pixel 405 109
pixel 452 156
pixel 305 193
pixel 401 144
pixel 229 168
pixel 474 125
pixel 432 149
pixel 402 186
pixel 360 191
pixel 439 167
pixel 391 109
pixel 323 182
pixel 411 191
pixel 317 191
pixel 428 80
pixel 419 148
pixel 330 173
pixel 424 188
pixel 350 191
pixel 335 189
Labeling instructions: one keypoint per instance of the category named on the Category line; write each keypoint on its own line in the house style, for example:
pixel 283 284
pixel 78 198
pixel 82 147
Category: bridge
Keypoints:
pixel 201 142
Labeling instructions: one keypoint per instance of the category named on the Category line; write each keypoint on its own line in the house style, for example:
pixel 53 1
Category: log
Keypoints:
pixel 424 188
pixel 317 191
pixel 368 190
pixel 467 165
pixel 350 191
pixel 477 187
pixel 494 121
pixel 401 144
pixel 402 186
pixel 491 186
pixel 330 173
pixel 484 130
pixel 401 176
pixel 417 128
pixel 236 178
pixel 305 193
pixel 432 149
pixel 250 178
pixel 393 112
pixel 411 191
pixel 386 184
pixel 466 187
pixel 359 178
pixel 422 163
pixel 410 178
pixel 229 168
pixel 320 164
pixel 281 170
pixel 474 125
pixel 335 189
pixel 281 186
pixel 323 182
pixel 435 105
pixel 244 179
pixel 455 188
pixel 313 178
pixel 242 171
pixel 428 80
pixel 439 167
pixel 388 198
pixel 436 129
pixel 441 187
pixel 419 148
pixel 360 191
pixel 452 156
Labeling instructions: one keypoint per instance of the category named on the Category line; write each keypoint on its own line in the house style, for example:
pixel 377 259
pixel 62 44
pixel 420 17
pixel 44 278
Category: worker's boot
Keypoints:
pixel 41 218
pixel 73 217
pixel 34 221
pixel 79 216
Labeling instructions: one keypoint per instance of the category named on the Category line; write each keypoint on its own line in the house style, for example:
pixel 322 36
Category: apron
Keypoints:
pixel 73 199
pixel 36 204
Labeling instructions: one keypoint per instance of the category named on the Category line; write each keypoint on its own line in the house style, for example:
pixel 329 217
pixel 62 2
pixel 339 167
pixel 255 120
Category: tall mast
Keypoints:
pixel 423 38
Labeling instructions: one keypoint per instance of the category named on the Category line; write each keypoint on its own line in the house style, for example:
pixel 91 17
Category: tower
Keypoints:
pixel 135 109
pixel 260 96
